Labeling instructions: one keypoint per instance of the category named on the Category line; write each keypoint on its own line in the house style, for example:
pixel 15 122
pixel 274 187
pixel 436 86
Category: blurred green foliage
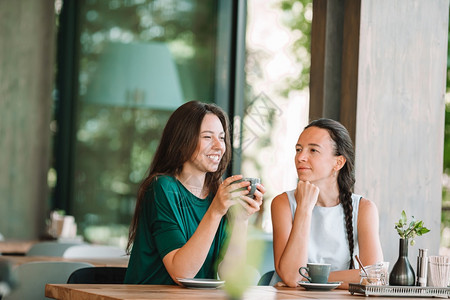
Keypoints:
pixel 447 138
pixel 298 17
pixel 445 217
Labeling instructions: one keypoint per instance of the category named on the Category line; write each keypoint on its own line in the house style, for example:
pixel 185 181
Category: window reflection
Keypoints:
pixel 276 107
pixel 121 110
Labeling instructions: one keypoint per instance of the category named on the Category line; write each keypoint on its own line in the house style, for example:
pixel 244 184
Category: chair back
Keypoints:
pixel 265 279
pixel 50 249
pixel 260 252
pixel 33 276
pixel 98 275
pixel 94 251
pixel 7 280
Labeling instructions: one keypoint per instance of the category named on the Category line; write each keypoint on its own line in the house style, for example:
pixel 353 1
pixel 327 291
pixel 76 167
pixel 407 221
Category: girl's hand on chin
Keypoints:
pixel 306 194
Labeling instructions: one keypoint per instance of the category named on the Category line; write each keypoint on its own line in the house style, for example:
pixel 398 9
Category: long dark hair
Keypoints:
pixel 177 145
pixel 346 178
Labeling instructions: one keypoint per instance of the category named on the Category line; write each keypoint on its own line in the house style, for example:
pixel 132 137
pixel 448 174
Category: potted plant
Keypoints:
pixel 402 273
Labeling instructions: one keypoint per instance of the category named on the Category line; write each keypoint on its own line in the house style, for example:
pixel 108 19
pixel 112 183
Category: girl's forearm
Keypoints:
pixel 347 276
pixel 295 253
pixel 186 261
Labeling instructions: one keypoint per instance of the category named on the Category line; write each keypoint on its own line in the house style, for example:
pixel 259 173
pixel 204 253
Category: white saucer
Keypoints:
pixel 320 286
pixel 201 283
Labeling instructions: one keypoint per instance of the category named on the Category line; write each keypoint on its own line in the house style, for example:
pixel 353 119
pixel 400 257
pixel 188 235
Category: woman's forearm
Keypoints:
pixel 347 276
pixel 186 261
pixel 295 253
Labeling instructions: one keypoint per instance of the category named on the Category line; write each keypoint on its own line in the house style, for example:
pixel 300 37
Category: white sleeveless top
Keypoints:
pixel 328 241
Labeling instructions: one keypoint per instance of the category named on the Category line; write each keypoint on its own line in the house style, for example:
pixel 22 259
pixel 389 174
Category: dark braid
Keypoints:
pixel 348 211
pixel 346 177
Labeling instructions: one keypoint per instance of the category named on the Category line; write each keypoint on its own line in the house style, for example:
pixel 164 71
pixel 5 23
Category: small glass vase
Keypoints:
pixel 402 273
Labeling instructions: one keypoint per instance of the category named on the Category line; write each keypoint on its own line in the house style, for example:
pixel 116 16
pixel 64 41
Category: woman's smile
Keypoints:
pixel 214 157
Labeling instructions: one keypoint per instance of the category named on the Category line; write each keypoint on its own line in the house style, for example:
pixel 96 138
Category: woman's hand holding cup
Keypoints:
pixel 248 195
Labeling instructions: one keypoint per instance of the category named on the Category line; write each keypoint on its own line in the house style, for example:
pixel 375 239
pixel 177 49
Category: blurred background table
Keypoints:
pixel 16 247
pixel 98 262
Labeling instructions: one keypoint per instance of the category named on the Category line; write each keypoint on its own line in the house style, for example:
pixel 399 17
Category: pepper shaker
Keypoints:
pixel 422 266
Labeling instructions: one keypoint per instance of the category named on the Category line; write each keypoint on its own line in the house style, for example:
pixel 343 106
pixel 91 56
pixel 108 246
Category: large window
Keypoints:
pixel 134 63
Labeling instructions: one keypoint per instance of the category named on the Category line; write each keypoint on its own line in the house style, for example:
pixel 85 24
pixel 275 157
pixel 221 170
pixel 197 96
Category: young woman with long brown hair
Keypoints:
pixel 179 225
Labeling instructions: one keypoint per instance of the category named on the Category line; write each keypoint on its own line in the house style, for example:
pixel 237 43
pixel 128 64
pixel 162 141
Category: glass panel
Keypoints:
pixel 277 98
pixel 139 60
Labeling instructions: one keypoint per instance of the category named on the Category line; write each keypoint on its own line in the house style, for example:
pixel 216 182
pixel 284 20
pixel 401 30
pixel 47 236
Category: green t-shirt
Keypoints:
pixel 169 217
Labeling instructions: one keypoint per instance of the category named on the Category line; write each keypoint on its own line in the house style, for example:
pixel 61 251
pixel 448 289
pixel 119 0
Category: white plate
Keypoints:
pixel 320 286
pixel 199 283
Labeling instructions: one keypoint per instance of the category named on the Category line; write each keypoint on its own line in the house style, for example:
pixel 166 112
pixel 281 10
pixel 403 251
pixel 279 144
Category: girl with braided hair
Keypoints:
pixel 322 221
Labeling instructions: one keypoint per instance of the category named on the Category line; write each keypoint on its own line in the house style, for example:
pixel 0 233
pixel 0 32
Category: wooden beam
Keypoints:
pixel 350 57
pixel 326 56
pixel 317 74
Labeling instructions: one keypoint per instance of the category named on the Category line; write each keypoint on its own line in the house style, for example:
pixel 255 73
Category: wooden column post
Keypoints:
pixel 326 56
pixel 400 114
pixel 26 82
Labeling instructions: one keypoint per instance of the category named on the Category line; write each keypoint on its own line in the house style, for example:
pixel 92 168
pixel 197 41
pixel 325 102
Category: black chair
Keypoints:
pixel 99 275
pixel 265 279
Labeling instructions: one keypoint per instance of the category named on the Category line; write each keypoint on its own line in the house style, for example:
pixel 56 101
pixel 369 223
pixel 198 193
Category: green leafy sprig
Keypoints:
pixel 414 229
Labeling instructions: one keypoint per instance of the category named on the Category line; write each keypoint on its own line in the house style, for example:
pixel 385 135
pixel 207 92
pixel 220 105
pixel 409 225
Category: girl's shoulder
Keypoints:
pixel 280 200
pixel 365 203
pixel 367 208
pixel 162 184
pixel 164 181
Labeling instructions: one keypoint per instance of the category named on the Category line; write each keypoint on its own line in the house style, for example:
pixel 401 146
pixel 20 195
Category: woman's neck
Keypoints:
pixel 195 183
pixel 328 195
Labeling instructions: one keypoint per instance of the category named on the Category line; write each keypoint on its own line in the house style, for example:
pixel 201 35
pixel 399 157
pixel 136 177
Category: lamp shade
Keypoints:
pixel 136 75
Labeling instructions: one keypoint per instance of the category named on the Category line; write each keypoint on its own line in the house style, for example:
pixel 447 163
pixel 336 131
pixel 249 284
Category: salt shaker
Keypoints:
pixel 422 265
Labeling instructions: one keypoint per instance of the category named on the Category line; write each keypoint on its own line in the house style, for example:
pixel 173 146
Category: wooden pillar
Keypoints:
pixel 350 60
pixel 393 76
pixel 326 52
pixel 400 114
pixel 26 81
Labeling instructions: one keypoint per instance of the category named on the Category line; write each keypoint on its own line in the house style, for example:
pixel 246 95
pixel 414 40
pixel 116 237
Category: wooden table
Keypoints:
pixel 130 292
pixel 16 247
pixel 98 262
